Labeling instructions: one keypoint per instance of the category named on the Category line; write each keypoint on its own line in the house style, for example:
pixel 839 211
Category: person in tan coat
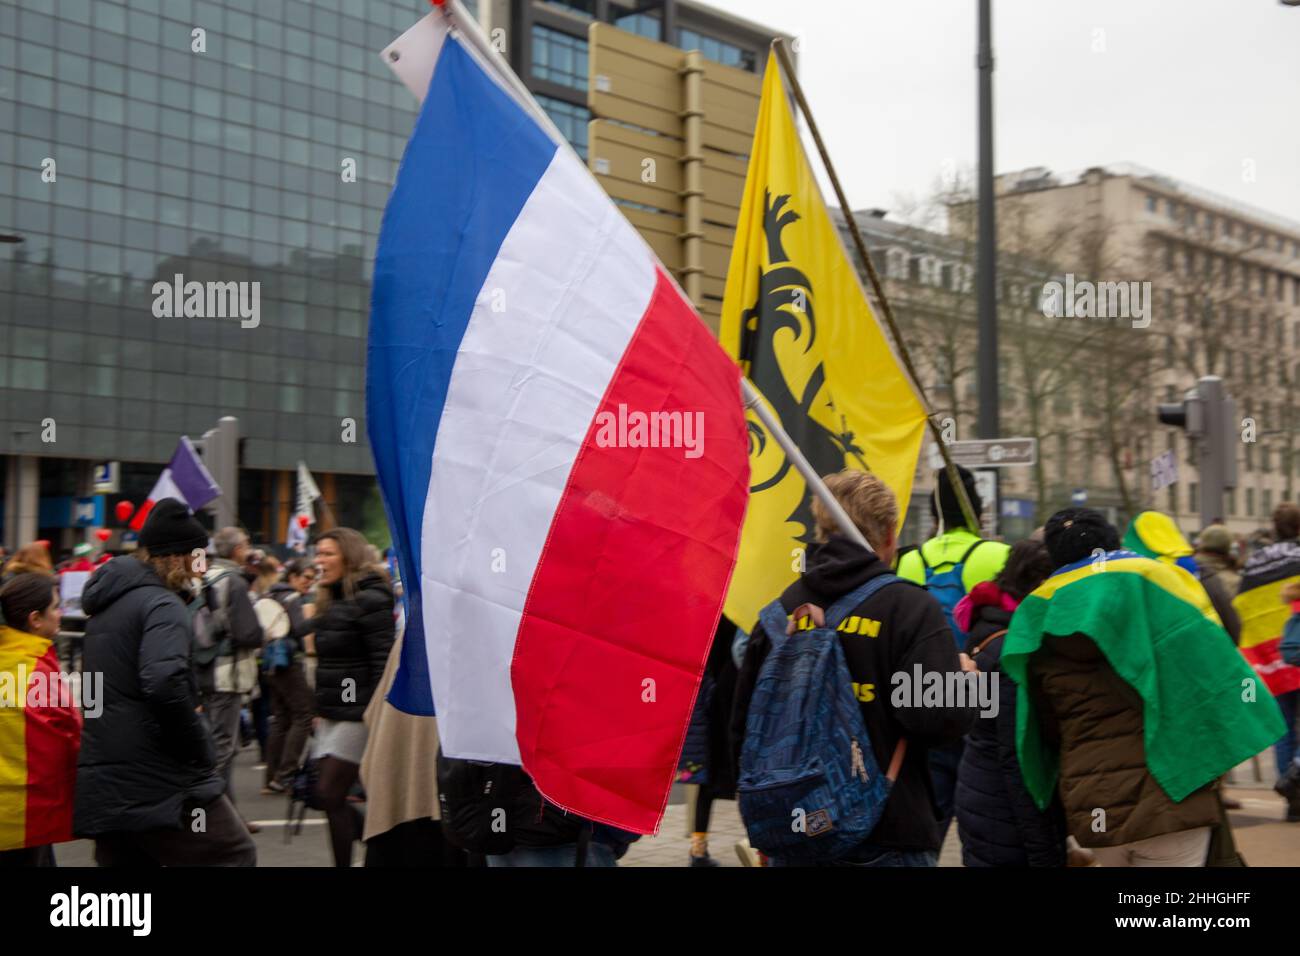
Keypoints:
pixel 1113 804
pixel 399 771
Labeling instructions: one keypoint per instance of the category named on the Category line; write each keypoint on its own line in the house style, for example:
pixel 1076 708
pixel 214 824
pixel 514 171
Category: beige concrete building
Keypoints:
pixel 1224 300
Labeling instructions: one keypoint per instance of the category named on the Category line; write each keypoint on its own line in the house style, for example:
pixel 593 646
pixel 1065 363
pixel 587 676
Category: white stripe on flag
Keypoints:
pixel 567 291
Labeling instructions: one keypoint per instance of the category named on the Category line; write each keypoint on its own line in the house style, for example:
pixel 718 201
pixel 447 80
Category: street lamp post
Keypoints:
pixel 986 254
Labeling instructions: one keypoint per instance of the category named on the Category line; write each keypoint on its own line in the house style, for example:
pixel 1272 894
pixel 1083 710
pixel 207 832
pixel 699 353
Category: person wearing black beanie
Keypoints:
pixel 1077 533
pixel 172 529
pixel 147 769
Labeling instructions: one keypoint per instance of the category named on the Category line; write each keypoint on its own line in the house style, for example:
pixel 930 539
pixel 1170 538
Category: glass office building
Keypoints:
pixel 215 140
pixel 247 145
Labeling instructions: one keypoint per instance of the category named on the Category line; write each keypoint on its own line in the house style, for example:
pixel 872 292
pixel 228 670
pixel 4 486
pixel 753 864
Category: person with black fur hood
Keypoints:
pixel 898 629
pixel 148 788
pixel 997 820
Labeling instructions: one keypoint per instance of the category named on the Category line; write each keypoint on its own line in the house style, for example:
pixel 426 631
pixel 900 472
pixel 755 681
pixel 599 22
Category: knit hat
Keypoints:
pixel 1075 533
pixel 948 503
pixel 171 529
pixel 1216 539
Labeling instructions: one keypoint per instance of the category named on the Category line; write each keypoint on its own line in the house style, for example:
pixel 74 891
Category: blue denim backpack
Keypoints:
pixel 810 789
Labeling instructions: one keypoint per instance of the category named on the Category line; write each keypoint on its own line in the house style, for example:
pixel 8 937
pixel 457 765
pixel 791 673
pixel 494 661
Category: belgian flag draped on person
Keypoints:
pixel 796 318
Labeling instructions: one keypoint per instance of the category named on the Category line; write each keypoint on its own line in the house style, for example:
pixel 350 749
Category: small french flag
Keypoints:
pixel 185 478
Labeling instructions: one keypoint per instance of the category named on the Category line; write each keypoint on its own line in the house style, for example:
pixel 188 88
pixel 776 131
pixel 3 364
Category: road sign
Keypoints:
pixel 108 478
pixel 87 512
pixel 1079 498
pixel 988 453
pixel 1164 471
pixel 1018 508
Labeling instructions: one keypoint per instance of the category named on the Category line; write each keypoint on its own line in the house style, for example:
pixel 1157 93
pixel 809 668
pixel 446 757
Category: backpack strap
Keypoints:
pixel 988 640
pixel 774 621
pixel 845 605
pixel 962 560
pixel 584 841
pixel 896 761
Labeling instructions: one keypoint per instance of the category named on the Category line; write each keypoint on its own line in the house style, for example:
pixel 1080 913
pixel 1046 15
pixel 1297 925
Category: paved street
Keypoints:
pixel 1263 838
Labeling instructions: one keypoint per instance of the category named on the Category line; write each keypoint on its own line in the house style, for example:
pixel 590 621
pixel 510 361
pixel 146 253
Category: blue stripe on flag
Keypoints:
pixel 472 162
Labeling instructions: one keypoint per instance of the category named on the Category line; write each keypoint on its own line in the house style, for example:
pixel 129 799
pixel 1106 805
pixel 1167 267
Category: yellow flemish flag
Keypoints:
pixel 795 316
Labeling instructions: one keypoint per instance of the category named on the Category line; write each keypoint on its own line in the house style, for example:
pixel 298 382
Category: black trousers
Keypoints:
pixel 416 843
pixel 217 837
pixel 28 856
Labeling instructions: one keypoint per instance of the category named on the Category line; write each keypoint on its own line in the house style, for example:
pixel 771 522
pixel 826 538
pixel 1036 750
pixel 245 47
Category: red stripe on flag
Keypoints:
pixel 53 739
pixel 141 515
pixel 1266 657
pixel 630 584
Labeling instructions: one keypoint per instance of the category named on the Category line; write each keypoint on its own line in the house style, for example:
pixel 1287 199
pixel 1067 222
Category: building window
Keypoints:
pixel 571 120
pixel 1268 501
pixel 559 57
pixel 1193 497
pixel 1152 202
pixel 585 7
pixel 642 24
pixel 719 51
pixel 1250 501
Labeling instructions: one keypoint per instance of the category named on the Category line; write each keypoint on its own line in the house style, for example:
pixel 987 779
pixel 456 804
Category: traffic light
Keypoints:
pixel 1209 416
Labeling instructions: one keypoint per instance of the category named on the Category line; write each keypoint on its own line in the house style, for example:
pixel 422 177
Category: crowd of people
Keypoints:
pixel 1115 702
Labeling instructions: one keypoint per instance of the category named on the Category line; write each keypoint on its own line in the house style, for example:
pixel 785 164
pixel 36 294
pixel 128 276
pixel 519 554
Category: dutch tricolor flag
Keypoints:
pixel 561 588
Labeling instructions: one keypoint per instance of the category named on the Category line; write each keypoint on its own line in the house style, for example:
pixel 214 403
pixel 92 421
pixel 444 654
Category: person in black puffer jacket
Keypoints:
pixel 997 820
pixel 355 629
pixel 147 773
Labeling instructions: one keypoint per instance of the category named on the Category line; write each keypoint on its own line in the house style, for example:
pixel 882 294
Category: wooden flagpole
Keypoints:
pixel 787 69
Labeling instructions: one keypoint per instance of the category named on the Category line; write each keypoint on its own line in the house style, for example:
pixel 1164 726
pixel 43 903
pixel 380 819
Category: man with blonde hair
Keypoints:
pixel 894 634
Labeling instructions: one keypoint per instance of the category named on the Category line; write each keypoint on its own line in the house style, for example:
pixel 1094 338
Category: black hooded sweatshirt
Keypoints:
pixel 149 753
pixel 912 631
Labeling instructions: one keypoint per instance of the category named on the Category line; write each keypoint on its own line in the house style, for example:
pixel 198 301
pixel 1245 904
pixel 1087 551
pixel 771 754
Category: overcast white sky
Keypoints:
pixel 1190 88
